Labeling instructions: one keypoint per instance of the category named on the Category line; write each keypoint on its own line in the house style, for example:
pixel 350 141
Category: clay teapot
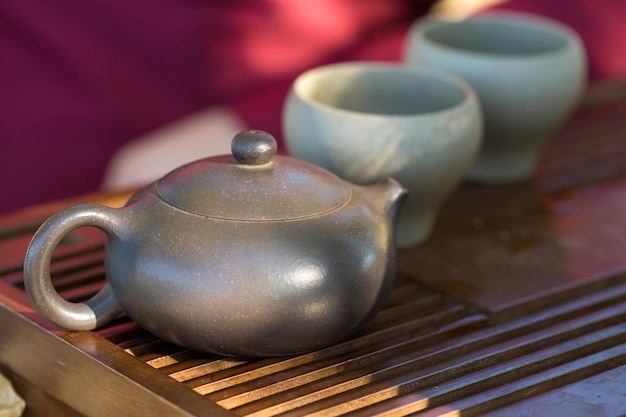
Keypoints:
pixel 250 254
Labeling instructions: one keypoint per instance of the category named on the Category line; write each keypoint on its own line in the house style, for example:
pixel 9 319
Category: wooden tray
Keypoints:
pixel 515 306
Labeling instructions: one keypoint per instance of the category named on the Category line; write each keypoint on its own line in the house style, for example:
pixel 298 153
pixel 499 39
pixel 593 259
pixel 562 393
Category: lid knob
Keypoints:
pixel 253 147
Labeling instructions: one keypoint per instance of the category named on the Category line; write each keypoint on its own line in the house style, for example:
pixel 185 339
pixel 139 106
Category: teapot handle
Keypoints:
pixel 96 311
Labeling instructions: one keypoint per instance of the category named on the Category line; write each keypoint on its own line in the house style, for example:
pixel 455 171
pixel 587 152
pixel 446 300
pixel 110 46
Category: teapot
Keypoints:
pixel 252 254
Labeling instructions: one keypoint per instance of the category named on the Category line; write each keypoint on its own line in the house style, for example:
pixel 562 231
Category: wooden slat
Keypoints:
pixel 536 383
pixel 603 394
pixel 398 336
pixel 432 366
pixel 97 378
pixel 463 363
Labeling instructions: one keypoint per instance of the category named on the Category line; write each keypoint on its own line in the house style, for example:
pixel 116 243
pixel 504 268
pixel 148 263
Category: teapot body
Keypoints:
pixel 258 288
pixel 256 255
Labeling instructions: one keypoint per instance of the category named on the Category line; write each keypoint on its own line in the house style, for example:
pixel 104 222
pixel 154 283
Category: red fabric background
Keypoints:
pixel 80 78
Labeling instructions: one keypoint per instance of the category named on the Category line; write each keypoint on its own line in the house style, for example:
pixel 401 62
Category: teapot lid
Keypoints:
pixel 253 184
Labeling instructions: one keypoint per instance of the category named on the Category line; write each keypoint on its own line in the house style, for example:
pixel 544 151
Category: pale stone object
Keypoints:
pixel 528 71
pixel 11 404
pixel 365 121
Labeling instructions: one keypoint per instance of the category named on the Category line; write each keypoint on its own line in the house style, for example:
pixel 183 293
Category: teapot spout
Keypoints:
pixel 390 194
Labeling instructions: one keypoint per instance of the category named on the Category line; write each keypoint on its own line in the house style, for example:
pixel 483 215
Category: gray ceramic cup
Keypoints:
pixel 366 121
pixel 529 73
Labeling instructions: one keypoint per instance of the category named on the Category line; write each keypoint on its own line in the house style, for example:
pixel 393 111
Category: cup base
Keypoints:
pixel 411 231
pixel 503 167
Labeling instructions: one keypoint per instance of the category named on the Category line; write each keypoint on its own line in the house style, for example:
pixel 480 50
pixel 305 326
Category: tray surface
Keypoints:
pixel 515 306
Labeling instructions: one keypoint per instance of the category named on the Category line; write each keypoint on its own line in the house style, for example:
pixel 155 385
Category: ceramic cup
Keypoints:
pixel 366 121
pixel 529 73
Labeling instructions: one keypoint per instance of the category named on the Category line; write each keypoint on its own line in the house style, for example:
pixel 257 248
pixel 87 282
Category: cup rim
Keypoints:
pixel 468 93
pixel 530 21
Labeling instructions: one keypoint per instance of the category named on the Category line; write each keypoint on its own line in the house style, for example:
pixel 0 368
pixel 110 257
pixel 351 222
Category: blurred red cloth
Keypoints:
pixel 600 24
pixel 78 79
